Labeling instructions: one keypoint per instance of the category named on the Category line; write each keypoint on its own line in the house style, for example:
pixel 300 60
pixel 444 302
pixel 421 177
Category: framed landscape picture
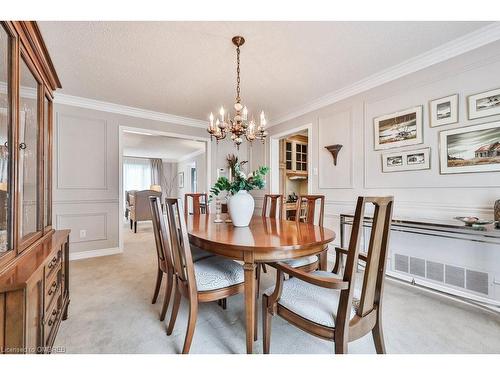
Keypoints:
pixel 471 149
pixel 398 129
pixel 484 104
pixel 411 160
pixel 443 111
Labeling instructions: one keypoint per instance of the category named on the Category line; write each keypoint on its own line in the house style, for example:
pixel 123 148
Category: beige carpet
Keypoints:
pixel 111 312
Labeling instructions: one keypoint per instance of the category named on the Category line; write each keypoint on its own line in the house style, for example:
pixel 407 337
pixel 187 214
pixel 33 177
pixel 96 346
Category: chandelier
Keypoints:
pixel 239 125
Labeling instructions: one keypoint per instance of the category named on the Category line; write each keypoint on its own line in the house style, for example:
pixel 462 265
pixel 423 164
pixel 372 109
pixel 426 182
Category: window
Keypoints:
pixel 136 174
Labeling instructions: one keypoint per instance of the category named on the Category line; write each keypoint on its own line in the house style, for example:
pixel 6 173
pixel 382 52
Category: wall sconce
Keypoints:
pixel 334 149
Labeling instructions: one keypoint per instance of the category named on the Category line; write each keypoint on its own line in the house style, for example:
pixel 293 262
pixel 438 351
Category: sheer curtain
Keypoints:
pixel 136 174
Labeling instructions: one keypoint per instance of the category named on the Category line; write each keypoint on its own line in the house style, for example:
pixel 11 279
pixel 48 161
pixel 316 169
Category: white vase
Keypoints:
pixel 241 206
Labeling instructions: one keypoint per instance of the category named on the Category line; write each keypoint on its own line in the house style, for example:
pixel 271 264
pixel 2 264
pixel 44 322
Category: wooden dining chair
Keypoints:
pixel 200 203
pixel 331 306
pixel 206 280
pixel 305 212
pixel 164 256
pixel 273 206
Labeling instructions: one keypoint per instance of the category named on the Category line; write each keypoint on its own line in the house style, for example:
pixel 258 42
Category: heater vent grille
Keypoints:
pixel 475 281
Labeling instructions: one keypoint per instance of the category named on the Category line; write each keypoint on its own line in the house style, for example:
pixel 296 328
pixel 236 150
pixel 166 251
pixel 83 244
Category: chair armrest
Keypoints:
pixel 362 256
pixel 325 282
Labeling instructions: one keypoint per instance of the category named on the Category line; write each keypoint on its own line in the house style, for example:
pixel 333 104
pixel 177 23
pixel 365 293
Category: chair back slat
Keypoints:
pixel 306 209
pixel 179 241
pixel 273 204
pixel 160 232
pixel 200 203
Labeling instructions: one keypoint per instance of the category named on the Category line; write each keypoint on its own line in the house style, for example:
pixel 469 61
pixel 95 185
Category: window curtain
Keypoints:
pixel 156 172
pixel 136 174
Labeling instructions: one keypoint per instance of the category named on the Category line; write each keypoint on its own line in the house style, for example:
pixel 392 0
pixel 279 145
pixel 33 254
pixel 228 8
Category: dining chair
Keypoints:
pixel 331 306
pixel 273 208
pixel 165 265
pixel 206 280
pixel 305 212
pixel 200 203
pixel 139 209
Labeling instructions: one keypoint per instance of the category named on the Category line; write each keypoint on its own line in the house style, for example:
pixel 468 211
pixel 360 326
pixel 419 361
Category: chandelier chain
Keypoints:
pixel 238 74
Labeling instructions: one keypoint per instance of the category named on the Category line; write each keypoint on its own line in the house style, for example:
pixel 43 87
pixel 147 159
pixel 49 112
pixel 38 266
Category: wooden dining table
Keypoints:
pixel 265 240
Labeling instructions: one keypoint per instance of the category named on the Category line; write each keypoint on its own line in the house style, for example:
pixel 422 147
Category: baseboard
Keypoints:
pixel 95 253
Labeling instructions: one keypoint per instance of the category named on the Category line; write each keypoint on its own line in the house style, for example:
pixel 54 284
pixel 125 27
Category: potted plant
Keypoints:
pixel 240 204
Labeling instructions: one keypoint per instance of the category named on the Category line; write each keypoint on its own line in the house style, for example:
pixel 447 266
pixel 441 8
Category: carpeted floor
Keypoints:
pixel 111 312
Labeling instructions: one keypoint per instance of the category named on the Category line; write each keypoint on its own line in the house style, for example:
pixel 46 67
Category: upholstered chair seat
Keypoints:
pixel 313 302
pixel 300 262
pixel 216 273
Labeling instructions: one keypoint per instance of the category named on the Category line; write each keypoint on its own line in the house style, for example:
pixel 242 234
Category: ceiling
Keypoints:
pixel 188 68
pixel 158 146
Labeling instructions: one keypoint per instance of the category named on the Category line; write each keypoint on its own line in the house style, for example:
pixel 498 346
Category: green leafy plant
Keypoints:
pixel 254 180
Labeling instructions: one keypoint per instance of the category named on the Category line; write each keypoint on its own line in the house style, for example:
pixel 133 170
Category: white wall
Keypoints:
pixel 86 173
pixel 418 194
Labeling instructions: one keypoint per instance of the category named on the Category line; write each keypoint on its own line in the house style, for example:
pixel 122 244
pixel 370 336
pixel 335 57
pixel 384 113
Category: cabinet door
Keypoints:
pixel 6 242
pixel 288 156
pixel 29 149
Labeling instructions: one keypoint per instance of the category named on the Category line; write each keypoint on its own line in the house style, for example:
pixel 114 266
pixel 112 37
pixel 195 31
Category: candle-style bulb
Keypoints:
pixel 245 113
pixel 262 119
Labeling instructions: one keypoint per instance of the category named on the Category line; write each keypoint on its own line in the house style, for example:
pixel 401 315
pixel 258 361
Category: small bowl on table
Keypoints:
pixel 468 220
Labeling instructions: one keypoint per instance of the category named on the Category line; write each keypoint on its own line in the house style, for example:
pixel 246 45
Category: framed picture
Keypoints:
pixel 484 104
pixel 443 111
pixel 473 148
pixel 398 129
pixel 411 160
pixel 181 179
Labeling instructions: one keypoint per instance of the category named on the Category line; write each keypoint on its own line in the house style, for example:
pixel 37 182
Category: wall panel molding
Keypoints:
pixel 75 236
pixel 60 184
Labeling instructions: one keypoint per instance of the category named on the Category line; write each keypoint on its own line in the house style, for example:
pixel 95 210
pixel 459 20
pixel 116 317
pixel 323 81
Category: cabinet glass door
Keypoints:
pixel 28 152
pixel 5 143
pixel 47 151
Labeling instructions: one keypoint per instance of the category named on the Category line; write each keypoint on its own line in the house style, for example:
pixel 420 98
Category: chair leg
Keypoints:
pixel 340 343
pixel 264 268
pixel 256 312
pixel 168 293
pixel 224 303
pixel 378 335
pixel 266 325
pixel 175 310
pixel 131 224
pixel 193 314
pixel 159 277
pixel 338 263
pixel 257 276
pixel 135 226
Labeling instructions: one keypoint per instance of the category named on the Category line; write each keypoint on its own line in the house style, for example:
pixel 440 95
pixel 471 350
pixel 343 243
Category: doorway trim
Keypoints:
pixel 274 157
pixel 121 128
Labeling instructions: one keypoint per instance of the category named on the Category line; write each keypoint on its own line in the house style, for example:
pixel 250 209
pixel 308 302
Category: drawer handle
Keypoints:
pixel 53 288
pixel 52 320
pixel 52 262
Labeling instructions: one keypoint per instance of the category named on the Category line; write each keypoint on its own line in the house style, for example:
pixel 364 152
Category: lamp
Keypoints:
pixel 155 188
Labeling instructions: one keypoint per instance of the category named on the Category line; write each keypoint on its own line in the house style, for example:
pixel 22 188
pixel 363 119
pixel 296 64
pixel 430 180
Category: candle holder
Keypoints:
pixel 218 210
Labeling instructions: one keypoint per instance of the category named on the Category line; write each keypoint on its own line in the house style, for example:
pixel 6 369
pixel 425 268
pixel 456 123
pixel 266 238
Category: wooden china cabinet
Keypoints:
pixel 34 294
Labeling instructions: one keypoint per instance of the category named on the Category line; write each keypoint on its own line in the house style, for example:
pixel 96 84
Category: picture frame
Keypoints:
pixel 443 111
pixel 470 149
pixel 398 129
pixel 181 179
pixel 484 104
pixel 409 160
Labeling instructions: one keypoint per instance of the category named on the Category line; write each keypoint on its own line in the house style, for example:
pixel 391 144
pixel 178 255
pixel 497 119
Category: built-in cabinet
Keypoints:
pixel 34 293
pixel 295 155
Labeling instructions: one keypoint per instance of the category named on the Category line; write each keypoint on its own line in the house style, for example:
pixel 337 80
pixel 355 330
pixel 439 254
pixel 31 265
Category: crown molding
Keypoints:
pixel 97 105
pixel 191 155
pixel 453 48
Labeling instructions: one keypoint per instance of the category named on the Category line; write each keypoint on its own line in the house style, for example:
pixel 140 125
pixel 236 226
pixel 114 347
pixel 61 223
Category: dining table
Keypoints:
pixel 265 240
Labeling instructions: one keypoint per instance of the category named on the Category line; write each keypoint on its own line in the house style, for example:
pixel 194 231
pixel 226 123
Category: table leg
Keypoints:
pixel 250 301
pixel 323 260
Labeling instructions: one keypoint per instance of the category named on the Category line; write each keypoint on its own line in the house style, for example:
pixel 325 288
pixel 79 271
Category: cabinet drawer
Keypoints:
pixel 53 288
pixel 53 263
pixel 51 319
